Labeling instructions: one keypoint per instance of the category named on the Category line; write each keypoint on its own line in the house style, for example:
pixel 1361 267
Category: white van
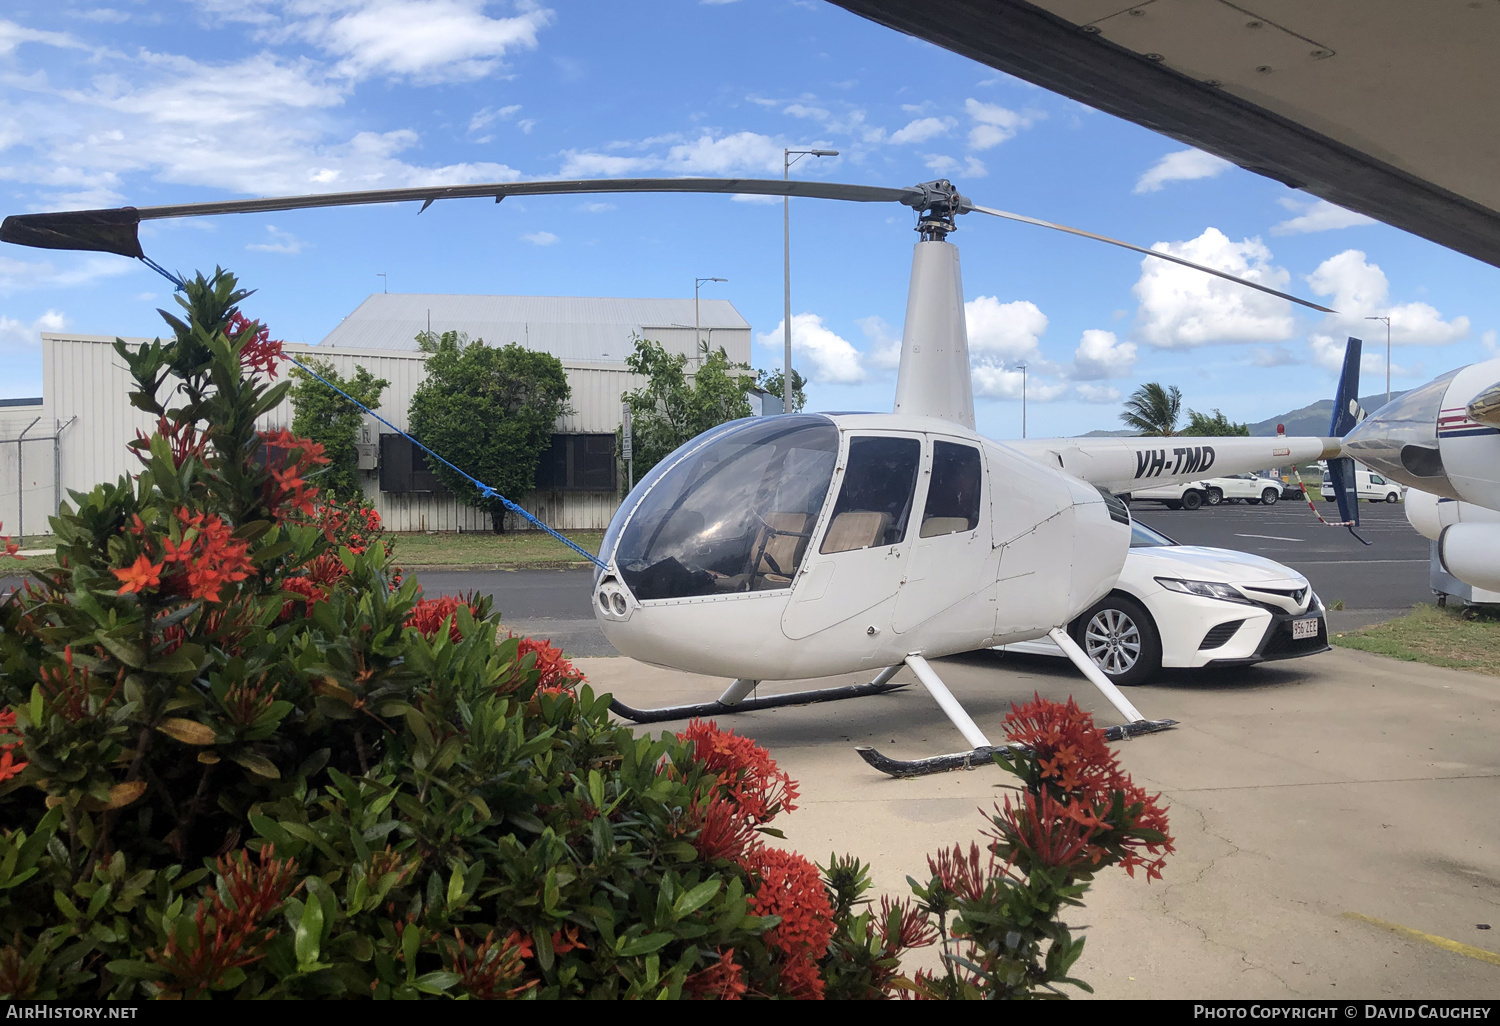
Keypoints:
pixel 1368 486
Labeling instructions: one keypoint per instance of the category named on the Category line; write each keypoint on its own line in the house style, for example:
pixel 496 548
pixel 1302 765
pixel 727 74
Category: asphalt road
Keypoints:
pixel 1375 582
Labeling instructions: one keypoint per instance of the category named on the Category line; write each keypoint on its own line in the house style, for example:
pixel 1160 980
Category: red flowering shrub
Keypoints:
pixel 1077 812
pixel 747 775
pixel 429 615
pixel 557 675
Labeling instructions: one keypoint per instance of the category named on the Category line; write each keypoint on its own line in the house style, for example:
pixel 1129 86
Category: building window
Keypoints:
pixel 583 463
pixel 404 467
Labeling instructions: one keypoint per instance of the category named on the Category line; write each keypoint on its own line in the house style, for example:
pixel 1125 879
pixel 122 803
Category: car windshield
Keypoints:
pixel 1142 537
pixel 733 516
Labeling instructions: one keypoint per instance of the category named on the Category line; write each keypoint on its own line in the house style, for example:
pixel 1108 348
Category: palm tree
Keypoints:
pixel 1153 410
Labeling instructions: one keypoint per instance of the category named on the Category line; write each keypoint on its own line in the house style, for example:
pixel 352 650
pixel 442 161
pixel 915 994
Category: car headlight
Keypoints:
pixel 1203 589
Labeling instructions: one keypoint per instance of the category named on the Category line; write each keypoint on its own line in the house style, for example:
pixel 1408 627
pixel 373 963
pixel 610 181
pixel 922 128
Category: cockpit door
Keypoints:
pixel 855 563
pixel 950 555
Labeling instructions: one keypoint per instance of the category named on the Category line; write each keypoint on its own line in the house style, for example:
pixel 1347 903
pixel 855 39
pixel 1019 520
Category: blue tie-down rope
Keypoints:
pixel 484 490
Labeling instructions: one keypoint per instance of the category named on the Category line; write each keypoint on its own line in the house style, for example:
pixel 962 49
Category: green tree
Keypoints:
pixel 488 410
pixel 668 410
pixel 1153 410
pixel 1218 424
pixel 771 382
pixel 321 414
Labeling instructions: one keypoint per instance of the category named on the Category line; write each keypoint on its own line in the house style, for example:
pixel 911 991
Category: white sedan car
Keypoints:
pixel 1190 606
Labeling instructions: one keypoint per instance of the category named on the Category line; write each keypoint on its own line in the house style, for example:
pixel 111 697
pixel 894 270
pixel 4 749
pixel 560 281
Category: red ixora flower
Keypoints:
pixel 428 615
pixel 558 675
pixel 289 460
pixel 260 354
pixel 789 886
pixel 12 549
pixel 139 576
pixel 9 766
pixel 747 775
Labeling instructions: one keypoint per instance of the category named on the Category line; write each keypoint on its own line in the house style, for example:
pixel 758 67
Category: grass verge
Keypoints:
pixel 517 550
pixel 1439 637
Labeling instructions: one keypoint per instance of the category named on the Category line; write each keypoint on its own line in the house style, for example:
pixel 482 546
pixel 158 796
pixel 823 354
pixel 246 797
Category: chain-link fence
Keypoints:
pixel 30 475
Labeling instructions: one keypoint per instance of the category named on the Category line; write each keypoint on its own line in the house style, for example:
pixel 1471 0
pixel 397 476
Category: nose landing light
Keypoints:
pixel 611 600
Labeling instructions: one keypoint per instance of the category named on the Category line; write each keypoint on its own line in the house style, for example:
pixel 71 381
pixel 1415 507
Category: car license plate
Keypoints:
pixel 1307 628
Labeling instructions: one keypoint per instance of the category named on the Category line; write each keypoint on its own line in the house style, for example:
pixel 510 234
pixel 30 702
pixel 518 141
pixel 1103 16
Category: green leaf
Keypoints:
pixel 691 901
pixel 436 982
pixel 643 945
pixel 136 970
pixel 309 933
pixel 257 764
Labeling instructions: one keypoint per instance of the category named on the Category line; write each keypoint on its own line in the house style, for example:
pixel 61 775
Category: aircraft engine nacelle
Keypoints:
pixel 1471 552
pixel 1430 515
pixel 807 545
pixel 1428 438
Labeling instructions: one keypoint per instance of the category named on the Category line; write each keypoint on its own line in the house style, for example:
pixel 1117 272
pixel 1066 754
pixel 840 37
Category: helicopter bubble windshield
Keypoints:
pixel 733 516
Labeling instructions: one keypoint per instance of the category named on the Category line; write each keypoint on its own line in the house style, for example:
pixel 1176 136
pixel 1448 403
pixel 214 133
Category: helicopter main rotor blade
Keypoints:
pixel 1148 252
pixel 114 230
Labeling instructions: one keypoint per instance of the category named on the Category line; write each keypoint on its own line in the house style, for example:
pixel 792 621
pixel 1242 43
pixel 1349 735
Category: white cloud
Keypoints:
pixel 1489 340
pixel 995 124
pixel 426 40
pixel 596 207
pixel 1274 356
pixel 1316 216
pixel 755 197
pixel 995 382
pixel 540 238
pixel 1181 166
pixel 884 343
pixel 1097 393
pixel 707 155
pixel 1328 352
pixel 972 167
pixel 1181 308
pixel 281 242
pixel 1360 289
pixel 1004 331
pixel 489 114
pixel 1101 356
pixel 17 332
pixel 834 359
pixel 802 110
pixel 20 275
pixel 13 35
pixel 921 130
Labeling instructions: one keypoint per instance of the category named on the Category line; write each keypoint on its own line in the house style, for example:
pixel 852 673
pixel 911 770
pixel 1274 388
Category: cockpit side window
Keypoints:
pixel 953 493
pixel 874 505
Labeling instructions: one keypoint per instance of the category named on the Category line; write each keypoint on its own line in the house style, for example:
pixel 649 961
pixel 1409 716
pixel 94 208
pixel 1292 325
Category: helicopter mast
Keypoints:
pixel 934 379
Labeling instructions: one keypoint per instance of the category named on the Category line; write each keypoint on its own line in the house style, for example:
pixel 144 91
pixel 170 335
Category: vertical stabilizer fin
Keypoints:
pixel 1346 415
pixel 934 377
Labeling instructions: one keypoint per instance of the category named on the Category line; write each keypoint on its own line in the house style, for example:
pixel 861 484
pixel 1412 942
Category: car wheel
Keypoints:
pixel 1192 500
pixel 1214 496
pixel 1119 636
pixel 1393 497
pixel 1270 496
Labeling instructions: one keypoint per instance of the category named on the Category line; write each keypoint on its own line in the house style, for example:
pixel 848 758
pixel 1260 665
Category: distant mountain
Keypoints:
pixel 1313 420
pixel 1309 420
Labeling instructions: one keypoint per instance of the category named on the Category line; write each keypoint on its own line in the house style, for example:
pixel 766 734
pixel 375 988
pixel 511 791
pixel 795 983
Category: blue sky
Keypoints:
pixel 151 102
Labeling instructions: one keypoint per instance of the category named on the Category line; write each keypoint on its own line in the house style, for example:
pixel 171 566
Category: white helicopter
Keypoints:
pixel 809 545
pixel 1443 441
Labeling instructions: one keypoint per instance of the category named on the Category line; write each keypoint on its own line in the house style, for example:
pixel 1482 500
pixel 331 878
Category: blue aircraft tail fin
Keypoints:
pixel 1346 414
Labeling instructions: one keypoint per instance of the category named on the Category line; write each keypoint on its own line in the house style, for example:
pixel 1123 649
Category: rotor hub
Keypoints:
pixel 937 202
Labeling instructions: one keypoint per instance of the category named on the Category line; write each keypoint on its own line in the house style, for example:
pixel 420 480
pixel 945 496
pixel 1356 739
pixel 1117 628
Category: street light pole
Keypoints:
pixel 1023 398
pixel 786 265
pixel 697 334
pixel 1387 354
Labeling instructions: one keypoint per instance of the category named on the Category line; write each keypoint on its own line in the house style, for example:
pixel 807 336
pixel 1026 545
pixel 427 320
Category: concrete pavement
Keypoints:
pixel 1300 791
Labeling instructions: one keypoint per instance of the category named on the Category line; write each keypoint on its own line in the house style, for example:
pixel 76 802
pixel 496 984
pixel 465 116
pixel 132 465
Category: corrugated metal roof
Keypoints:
pixel 568 327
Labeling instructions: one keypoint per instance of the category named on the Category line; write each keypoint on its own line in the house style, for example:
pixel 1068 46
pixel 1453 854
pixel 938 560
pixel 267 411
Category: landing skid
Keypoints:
pixel 984 756
pixel 733 700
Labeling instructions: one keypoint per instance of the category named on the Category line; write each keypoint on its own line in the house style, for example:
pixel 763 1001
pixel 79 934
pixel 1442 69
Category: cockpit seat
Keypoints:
pixel 932 527
pixel 857 529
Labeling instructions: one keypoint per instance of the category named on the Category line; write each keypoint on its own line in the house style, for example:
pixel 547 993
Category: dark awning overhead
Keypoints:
pixel 1386 107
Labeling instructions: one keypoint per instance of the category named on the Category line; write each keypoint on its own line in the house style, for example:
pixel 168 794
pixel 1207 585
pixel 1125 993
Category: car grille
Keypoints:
pixel 1220 634
pixel 1295 594
pixel 1281 641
